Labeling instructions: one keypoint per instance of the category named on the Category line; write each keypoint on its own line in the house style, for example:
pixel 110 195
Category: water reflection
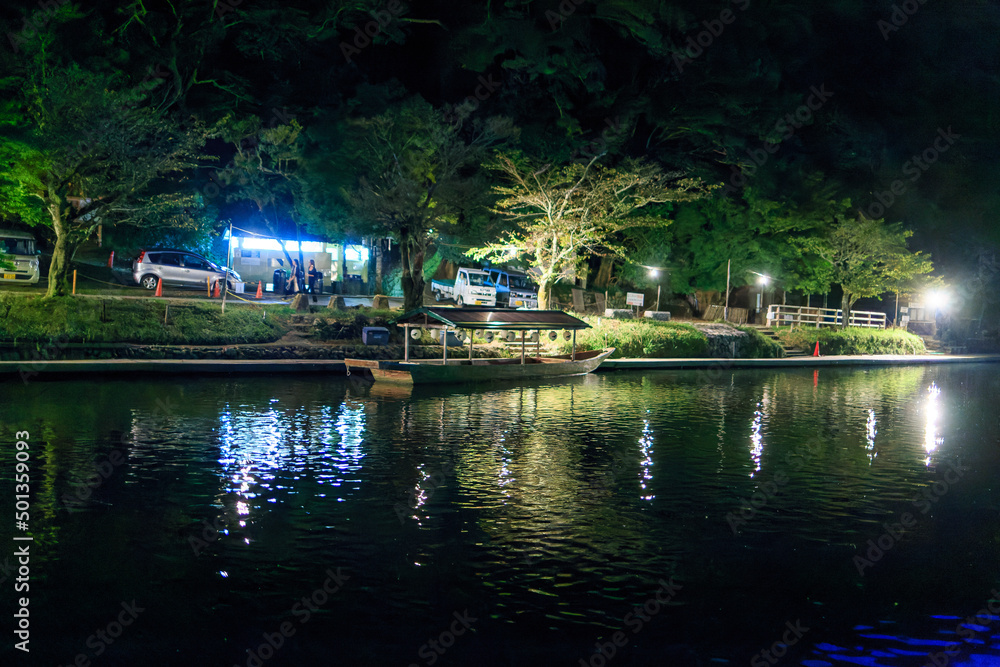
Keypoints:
pixel 548 509
pixel 871 430
pixel 933 411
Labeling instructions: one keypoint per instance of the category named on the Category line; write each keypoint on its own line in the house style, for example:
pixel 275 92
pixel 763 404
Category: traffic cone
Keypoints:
pixel 159 287
pixel 216 294
pixel 816 351
pixel 260 289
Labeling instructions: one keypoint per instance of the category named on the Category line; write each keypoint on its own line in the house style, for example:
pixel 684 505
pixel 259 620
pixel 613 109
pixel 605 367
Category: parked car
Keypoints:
pixel 514 288
pixel 178 267
pixel 22 258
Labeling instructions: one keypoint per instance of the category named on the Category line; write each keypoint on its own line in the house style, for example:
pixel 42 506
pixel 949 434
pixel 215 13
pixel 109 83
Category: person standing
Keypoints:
pixel 313 276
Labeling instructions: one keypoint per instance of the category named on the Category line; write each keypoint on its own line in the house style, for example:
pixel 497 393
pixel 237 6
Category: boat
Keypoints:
pixel 488 322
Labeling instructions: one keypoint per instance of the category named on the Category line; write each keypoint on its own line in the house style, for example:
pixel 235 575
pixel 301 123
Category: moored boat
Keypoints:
pixel 488 321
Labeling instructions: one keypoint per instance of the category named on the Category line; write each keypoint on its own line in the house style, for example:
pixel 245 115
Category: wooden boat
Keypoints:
pixel 488 321
pixel 479 370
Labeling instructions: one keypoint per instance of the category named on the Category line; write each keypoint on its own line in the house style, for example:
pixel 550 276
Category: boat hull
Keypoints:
pixel 435 371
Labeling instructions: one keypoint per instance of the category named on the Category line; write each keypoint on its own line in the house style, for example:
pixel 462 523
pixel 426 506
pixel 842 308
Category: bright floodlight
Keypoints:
pixel 763 280
pixel 653 273
pixel 936 299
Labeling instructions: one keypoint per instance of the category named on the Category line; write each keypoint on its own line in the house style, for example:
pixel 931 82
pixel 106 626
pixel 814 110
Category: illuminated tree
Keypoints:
pixel 561 214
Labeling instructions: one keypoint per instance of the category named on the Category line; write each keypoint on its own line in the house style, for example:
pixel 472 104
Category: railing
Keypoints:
pixel 780 316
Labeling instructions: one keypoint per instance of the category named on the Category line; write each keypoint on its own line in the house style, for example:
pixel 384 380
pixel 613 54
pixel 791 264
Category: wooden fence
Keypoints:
pixel 780 316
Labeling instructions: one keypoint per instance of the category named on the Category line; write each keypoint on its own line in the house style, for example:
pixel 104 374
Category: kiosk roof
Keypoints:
pixel 491 318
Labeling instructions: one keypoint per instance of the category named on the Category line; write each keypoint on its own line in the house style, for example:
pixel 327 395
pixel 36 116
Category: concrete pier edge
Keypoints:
pixel 29 369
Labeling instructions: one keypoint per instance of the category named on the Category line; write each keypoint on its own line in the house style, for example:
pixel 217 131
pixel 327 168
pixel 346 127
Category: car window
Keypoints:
pixel 192 262
pixel 167 259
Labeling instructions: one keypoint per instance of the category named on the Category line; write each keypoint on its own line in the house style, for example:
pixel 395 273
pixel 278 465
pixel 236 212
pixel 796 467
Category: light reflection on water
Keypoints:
pixel 550 510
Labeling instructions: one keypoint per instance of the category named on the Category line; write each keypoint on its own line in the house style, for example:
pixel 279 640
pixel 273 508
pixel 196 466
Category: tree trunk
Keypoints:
pixel 59 271
pixel 845 308
pixel 412 248
pixel 59 280
pixel 544 289
pixel 604 272
pixel 378 266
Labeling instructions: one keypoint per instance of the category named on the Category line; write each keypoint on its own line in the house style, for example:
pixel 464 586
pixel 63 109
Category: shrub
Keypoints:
pixel 853 340
pixel 639 338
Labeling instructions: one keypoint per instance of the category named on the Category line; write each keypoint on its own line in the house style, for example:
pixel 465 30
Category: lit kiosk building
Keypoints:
pixel 345 266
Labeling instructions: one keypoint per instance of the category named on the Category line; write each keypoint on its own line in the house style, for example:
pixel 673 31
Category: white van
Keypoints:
pixel 18 248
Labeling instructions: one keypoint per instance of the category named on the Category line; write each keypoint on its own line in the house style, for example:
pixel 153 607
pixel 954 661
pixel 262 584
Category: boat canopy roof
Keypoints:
pixel 490 318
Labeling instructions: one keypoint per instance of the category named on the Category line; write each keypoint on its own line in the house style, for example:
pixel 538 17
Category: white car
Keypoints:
pixel 19 258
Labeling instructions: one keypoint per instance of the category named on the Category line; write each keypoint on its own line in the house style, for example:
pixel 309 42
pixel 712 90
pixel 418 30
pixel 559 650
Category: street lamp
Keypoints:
pixel 763 280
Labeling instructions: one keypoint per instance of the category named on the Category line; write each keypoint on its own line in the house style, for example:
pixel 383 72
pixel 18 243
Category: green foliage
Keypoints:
pixel 853 340
pixel 140 321
pixel 637 338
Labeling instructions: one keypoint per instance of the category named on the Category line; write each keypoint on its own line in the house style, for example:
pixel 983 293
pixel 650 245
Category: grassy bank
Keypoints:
pixel 640 338
pixel 26 319
pixel 854 340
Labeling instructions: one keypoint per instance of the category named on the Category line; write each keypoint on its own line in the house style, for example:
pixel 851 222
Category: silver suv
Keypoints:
pixel 178 267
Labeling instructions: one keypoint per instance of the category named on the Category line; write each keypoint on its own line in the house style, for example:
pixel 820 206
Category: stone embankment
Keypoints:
pixel 724 342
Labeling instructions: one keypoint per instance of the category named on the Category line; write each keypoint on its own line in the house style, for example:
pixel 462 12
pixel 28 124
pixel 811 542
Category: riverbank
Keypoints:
pixel 157 367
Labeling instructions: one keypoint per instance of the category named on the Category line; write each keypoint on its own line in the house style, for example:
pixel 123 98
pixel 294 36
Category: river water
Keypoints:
pixel 831 517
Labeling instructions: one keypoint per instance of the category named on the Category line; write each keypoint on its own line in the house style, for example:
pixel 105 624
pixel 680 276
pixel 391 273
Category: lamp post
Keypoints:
pixel 725 308
pixel 653 273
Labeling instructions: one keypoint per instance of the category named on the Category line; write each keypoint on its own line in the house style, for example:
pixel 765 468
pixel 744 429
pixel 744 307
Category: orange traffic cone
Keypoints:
pixel 159 287
pixel 260 289
pixel 216 294
pixel 816 351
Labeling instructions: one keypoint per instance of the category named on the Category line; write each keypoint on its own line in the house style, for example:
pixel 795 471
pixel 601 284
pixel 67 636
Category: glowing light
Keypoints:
pixel 936 299
pixel 646 449
pixel 257 243
pixel 756 439
pixel 871 429
pixel 933 408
